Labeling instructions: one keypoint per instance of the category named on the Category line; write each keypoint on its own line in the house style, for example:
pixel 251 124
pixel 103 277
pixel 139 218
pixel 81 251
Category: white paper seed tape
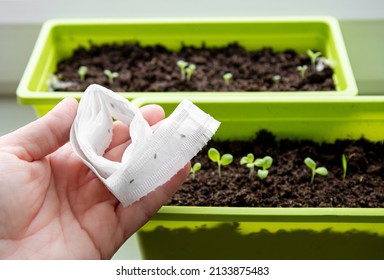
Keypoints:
pixel 152 158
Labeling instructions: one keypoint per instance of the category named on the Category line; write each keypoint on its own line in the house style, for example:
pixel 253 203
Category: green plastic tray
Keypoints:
pixel 59 38
pixel 274 233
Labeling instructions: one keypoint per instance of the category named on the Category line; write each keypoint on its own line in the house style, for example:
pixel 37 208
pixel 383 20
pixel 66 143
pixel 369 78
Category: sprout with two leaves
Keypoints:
pixel 302 69
pixel 111 75
pixel 313 56
pixel 214 155
pixel 186 70
pixel 315 170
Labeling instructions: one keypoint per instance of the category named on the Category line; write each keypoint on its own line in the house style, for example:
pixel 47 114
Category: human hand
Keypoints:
pixel 52 206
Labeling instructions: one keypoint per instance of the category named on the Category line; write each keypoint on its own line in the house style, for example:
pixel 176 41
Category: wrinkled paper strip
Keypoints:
pixel 152 158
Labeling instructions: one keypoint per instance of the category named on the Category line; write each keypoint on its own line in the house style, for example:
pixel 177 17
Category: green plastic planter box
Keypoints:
pixel 59 38
pixel 274 233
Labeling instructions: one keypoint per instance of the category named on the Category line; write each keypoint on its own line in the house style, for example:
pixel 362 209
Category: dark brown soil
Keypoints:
pixel 154 69
pixel 288 183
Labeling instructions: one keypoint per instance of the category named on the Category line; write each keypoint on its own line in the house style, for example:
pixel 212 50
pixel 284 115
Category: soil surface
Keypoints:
pixel 154 69
pixel 288 183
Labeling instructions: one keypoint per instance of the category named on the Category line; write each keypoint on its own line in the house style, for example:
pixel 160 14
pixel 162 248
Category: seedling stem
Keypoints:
pixel 182 65
pixel 189 71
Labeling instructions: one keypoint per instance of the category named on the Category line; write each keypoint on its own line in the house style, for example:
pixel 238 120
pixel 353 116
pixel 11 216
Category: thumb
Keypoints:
pixel 45 135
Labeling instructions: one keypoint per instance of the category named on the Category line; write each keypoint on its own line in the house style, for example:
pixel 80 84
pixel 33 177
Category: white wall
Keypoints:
pixel 20 20
pixel 37 11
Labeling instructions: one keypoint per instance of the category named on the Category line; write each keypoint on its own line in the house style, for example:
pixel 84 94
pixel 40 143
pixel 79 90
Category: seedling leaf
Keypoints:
pixel 196 167
pixel 267 162
pixel 251 165
pixel 244 160
pixel 214 155
pixel 322 171
pixel 227 77
pixel 248 159
pixel 310 163
pixel 226 159
pixel 182 64
pixel 259 162
pixel 276 78
pixel 264 162
pixel 345 164
pixel 262 174
pixel 313 56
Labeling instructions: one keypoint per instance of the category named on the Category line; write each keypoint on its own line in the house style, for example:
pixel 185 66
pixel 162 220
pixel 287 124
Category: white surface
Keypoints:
pixel 11 11
pixel 16 46
pixel 13 115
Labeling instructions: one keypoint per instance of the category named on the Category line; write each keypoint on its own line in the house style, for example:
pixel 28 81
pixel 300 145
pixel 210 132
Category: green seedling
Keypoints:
pixel 345 165
pixel 111 75
pixel 249 161
pixel 265 163
pixel 302 69
pixel 182 65
pixel 313 56
pixel 189 71
pixel 196 167
pixel 315 170
pixel 214 155
pixel 276 78
pixel 227 77
pixel 82 72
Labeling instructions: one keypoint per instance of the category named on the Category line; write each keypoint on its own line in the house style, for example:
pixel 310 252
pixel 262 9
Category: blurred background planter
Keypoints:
pixel 191 232
pixel 59 38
